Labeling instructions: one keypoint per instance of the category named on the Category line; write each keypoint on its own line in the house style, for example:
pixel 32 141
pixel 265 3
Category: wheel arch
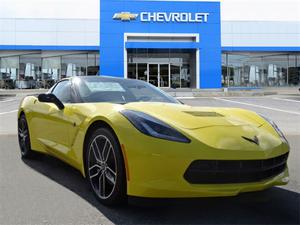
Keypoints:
pixel 21 112
pixel 91 128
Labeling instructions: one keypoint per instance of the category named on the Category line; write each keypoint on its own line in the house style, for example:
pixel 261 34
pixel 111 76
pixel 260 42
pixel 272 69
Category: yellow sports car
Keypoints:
pixel 129 138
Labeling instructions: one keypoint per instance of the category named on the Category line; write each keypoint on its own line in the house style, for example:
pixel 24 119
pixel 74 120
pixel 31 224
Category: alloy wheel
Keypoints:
pixel 102 166
pixel 23 135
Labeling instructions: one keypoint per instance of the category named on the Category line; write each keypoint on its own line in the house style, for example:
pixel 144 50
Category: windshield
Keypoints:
pixel 121 91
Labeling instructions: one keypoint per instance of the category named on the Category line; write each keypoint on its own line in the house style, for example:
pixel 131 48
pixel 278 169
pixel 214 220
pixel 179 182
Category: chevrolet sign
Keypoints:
pixel 178 17
pixel 174 17
pixel 125 16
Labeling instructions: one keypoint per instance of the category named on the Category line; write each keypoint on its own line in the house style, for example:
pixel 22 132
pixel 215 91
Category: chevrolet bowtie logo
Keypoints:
pixel 254 140
pixel 125 16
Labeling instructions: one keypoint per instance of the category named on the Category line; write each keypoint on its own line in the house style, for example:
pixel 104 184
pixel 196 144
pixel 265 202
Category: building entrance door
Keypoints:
pixel 153 74
pixel 163 67
pixel 159 75
pixel 175 76
pixel 164 75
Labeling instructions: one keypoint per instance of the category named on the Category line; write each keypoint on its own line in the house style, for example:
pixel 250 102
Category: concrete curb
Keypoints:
pixel 232 92
pixel 20 92
pixel 222 94
pixel 181 92
pixel 7 95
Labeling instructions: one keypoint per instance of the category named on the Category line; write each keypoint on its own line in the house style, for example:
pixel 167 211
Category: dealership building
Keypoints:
pixel 182 44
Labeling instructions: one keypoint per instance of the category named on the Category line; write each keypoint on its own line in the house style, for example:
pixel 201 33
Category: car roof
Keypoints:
pixel 105 78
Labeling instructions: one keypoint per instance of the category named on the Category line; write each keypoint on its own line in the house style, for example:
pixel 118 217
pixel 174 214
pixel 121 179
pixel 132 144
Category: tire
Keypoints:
pixel 104 167
pixel 24 138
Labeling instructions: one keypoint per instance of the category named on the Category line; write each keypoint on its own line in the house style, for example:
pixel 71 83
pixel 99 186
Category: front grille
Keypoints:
pixel 234 171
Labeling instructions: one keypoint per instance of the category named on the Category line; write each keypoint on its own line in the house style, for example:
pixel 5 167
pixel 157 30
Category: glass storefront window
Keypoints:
pixel 252 73
pixel 131 71
pixel 274 71
pixel 93 64
pixel 294 70
pixel 297 71
pixel 255 69
pixel 164 75
pixel 163 67
pixel 158 55
pixel 74 65
pixel 153 74
pixel 51 69
pixel 30 67
pixel 185 76
pixel 137 71
pixel 142 71
pixel 235 73
pixel 224 70
pixel 39 69
pixel 175 76
pixel 9 68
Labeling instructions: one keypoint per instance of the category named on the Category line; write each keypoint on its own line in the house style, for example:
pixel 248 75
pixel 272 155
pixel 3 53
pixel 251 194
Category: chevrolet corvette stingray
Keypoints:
pixel 129 138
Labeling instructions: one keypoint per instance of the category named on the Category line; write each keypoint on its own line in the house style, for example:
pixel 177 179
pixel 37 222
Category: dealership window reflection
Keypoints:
pixel 163 67
pixel 9 67
pixel 30 67
pixel 40 69
pixel 74 65
pixel 30 71
pixel 294 70
pixel 259 69
pixel 93 64
pixel 51 68
pixel 9 70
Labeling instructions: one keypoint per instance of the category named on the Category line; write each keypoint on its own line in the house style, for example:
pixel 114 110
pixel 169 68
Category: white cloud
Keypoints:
pixel 280 10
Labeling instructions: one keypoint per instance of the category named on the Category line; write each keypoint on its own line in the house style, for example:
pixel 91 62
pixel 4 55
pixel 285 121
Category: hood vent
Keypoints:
pixel 204 114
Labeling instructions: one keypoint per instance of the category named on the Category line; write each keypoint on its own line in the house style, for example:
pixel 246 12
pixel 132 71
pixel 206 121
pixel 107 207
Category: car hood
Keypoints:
pixel 189 117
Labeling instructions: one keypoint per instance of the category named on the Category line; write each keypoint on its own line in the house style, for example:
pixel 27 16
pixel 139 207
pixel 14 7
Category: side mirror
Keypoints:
pixel 52 99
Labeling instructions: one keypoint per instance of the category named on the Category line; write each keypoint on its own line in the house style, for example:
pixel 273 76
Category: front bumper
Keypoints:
pixel 169 189
pixel 159 173
pixel 156 167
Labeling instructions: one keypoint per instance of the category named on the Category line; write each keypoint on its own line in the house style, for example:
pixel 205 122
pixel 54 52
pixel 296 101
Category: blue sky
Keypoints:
pixel 280 10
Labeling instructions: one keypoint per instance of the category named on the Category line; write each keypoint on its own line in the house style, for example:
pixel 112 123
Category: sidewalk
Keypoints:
pixel 234 92
pixel 187 92
pixel 20 92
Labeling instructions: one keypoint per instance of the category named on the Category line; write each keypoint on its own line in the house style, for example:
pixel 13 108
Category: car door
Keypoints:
pixel 53 125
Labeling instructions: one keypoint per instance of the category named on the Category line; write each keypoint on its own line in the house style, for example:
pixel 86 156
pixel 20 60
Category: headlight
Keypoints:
pixel 153 127
pixel 273 124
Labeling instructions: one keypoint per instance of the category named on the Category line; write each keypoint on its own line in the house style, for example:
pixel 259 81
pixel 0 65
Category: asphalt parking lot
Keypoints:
pixel 46 191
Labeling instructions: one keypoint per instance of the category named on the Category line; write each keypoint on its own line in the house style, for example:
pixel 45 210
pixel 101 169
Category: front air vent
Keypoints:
pixel 234 171
pixel 204 114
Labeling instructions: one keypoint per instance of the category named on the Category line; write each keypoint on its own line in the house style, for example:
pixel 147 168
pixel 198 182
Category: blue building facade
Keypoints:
pixel 167 43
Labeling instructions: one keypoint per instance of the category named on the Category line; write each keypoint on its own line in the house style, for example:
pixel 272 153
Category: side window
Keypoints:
pixel 63 91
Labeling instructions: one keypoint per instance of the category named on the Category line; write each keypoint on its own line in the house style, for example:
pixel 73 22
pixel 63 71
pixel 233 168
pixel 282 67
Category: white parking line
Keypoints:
pixel 288 100
pixel 258 106
pixel 9 100
pixel 12 111
pixel 185 97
